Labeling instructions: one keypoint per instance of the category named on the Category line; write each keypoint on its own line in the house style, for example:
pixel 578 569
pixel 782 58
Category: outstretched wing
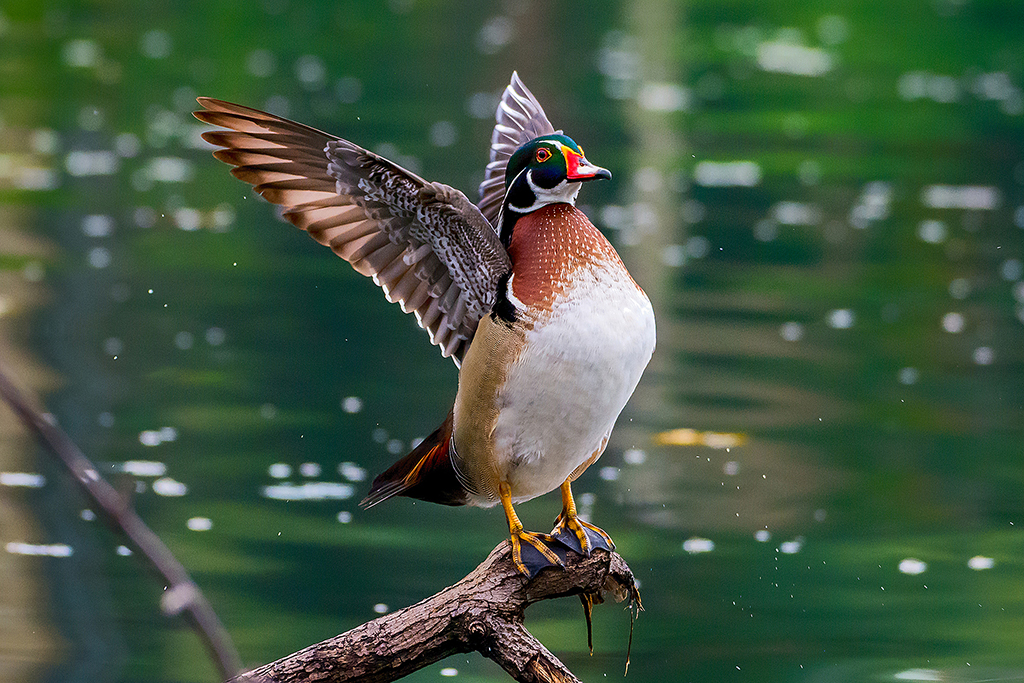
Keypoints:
pixel 424 243
pixel 519 119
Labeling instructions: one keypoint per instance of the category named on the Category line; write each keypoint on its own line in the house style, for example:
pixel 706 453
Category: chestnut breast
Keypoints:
pixel 549 248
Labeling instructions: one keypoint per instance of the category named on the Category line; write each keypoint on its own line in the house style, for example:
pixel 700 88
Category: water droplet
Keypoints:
pixel 352 471
pixel 199 524
pixel 984 355
pixel 156 44
pixel 279 470
pixel 495 34
pixel 953 323
pixel 908 376
pixel 696 545
pixel 980 562
pixel 98 225
pixel 912 566
pixel 444 134
pixel 792 331
pixel 634 456
pixel 791 547
pixel 349 89
pixel 1011 270
pixel 99 257
pixel 165 486
pixel 184 340
pixel 932 231
pixel 261 63
pixel 841 318
pixel 215 336
pixel 310 71
pixel 310 469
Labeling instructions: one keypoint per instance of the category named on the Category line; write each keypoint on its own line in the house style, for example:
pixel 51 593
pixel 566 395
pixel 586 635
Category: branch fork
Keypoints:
pixel 483 612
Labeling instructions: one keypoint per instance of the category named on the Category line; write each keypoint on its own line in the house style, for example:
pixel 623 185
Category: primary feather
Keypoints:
pixel 425 244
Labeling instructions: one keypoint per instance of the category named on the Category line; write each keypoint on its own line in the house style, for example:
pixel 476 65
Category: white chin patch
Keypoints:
pixel 563 193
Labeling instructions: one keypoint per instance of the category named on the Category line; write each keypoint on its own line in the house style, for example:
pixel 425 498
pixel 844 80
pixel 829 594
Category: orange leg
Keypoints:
pixel 568 520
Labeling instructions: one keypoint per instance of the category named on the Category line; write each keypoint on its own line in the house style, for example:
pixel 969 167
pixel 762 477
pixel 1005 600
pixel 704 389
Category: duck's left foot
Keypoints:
pixel 580 536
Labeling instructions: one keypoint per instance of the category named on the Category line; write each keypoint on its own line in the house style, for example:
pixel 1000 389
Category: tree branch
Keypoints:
pixel 182 595
pixel 483 612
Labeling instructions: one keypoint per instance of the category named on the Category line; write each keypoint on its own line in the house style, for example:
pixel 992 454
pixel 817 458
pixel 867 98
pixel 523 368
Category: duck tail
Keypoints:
pixel 427 473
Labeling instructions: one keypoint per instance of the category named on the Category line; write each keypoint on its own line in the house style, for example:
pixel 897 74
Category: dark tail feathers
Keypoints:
pixel 426 473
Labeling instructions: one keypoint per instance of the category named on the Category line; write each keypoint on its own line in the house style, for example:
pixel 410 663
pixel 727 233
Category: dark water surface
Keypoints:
pixel 820 476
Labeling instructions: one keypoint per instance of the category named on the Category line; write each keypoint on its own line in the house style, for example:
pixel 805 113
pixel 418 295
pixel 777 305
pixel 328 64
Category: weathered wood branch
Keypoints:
pixel 182 595
pixel 483 612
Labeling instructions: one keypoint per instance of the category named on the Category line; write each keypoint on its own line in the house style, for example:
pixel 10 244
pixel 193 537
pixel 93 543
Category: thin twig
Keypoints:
pixel 182 595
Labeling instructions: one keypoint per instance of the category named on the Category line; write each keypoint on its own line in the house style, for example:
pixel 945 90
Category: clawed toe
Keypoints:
pixel 581 536
pixel 532 552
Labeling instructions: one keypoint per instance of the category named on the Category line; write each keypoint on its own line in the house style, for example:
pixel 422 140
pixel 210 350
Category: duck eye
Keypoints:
pixel 543 154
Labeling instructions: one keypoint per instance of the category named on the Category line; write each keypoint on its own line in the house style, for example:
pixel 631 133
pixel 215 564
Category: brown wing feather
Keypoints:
pixel 425 244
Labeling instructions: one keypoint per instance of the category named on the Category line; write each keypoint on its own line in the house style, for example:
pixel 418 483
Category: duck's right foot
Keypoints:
pixel 532 552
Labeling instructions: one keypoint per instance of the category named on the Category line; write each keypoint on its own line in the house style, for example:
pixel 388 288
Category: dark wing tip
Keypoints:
pixel 381 492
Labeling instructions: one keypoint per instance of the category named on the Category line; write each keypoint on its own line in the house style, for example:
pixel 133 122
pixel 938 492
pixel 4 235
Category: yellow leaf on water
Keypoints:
pixel 684 436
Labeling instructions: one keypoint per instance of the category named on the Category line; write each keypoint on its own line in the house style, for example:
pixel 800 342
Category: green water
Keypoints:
pixel 825 202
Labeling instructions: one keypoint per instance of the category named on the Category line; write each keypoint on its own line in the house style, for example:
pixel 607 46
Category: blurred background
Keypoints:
pixel 819 478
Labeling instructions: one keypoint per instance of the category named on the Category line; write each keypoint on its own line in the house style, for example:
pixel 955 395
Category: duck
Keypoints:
pixel 549 331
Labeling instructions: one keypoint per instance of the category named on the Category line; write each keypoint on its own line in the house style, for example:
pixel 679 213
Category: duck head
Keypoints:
pixel 546 170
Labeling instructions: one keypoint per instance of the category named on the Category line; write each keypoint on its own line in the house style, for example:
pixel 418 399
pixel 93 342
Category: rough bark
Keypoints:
pixel 483 612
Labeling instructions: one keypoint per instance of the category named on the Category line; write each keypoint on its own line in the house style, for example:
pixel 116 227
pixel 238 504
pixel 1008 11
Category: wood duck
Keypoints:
pixel 550 332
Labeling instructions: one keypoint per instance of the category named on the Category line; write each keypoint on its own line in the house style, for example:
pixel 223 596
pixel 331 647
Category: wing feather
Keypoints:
pixel 425 244
pixel 519 119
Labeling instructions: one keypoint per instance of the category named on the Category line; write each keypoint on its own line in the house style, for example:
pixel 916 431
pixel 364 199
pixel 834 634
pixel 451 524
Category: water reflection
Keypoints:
pixel 309 491
pixel 828 220
pixel 26 479
pixel 165 486
pixel 39 549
